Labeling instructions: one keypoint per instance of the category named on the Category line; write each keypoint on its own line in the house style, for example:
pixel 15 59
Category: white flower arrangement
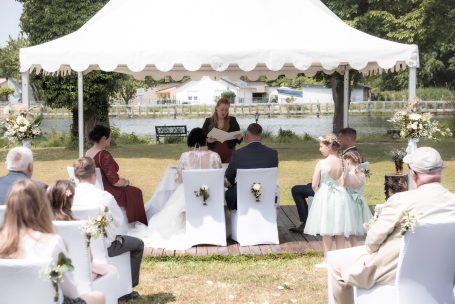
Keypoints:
pixel 414 124
pixel 256 190
pixel 408 223
pixel 97 226
pixel 203 193
pixel 20 128
pixel 55 273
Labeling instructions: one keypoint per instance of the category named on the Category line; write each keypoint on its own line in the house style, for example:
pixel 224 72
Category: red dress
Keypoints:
pixel 128 197
pixel 223 150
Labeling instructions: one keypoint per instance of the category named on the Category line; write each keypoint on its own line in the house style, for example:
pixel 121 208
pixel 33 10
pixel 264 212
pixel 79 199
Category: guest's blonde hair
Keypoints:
pixel 330 140
pixel 27 207
pixel 353 156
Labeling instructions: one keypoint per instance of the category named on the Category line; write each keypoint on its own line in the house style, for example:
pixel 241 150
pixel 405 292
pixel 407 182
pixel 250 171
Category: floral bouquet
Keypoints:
pixel 397 156
pixel 56 272
pixel 414 124
pixel 256 191
pixel 20 128
pixel 408 223
pixel 97 226
pixel 203 193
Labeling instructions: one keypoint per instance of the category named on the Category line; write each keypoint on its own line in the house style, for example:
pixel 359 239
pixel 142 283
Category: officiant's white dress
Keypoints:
pixel 166 229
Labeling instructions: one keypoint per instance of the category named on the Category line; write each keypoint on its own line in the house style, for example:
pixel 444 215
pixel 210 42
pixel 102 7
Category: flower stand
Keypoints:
pixel 27 144
pixel 394 183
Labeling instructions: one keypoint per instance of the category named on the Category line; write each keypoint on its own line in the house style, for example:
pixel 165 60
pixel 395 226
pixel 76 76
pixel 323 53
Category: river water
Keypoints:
pixel 311 125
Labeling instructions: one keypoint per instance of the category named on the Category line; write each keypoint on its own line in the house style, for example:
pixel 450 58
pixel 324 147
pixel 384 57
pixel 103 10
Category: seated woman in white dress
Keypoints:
pixel 166 229
pixel 28 233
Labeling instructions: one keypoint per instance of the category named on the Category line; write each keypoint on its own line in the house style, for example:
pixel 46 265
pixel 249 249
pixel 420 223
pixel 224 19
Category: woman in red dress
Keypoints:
pixel 127 196
pixel 221 120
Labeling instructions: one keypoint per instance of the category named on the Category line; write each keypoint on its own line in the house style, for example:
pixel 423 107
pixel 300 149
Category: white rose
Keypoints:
pixel 414 116
pixel 414 126
pixel 99 218
pixel 23 129
pixel 256 186
pixel 204 188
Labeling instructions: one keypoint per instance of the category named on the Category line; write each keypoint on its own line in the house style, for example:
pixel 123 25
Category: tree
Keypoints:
pixel 9 57
pixel 44 20
pixel 229 95
pixel 128 88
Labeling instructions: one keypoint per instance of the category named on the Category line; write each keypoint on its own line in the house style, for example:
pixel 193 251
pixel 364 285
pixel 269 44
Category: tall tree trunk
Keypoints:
pixel 336 82
pixel 92 117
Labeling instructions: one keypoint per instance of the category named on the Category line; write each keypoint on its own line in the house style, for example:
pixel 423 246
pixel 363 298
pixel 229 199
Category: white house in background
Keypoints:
pixel 207 91
pixel 314 93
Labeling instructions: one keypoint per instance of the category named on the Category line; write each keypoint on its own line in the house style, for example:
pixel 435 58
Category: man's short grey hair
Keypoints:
pixel 18 159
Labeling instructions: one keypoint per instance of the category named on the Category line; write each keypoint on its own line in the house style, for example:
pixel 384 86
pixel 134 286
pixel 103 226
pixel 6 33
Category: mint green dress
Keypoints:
pixel 362 213
pixel 331 212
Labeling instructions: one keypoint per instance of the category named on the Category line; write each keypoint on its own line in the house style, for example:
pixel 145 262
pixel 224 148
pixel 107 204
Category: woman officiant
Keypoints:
pixel 221 120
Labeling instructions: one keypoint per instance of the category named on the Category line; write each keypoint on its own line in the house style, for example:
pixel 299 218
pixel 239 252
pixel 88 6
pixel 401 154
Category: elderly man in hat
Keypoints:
pixel 378 262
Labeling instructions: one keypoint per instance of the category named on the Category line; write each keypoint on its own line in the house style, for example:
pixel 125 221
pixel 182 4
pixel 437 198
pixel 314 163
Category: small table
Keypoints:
pixel 394 183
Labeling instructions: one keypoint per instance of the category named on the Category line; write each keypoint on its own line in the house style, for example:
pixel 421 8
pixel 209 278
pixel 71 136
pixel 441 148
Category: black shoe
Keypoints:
pixel 298 229
pixel 131 296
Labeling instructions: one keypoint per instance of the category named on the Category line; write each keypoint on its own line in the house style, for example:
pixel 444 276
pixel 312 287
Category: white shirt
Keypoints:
pixel 90 195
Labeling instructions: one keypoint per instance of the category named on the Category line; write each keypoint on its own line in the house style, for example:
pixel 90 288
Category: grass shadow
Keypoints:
pixel 157 298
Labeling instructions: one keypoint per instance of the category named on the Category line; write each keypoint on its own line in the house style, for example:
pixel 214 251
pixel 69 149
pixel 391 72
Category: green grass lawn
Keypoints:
pixel 145 164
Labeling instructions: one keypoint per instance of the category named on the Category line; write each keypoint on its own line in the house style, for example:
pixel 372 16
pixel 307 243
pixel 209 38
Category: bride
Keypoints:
pixel 166 229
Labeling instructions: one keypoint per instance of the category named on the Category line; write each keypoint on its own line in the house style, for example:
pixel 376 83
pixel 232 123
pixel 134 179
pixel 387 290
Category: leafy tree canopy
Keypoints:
pixel 9 57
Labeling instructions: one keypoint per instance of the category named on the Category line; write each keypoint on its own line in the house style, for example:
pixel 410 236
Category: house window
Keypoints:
pixel 192 95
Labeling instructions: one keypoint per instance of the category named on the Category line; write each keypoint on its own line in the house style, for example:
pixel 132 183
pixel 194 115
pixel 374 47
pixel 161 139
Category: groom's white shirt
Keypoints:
pixel 90 195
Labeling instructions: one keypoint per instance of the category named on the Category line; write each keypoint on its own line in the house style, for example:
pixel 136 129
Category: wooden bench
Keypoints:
pixel 170 131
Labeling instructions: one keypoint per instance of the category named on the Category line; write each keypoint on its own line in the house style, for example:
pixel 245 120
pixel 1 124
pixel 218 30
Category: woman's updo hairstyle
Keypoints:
pixel 330 140
pixel 197 138
pixel 98 132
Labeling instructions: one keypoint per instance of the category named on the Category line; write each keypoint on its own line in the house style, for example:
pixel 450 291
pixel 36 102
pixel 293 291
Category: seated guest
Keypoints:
pixel 27 233
pixel 60 197
pixel 19 163
pixel 127 196
pixel 87 194
pixel 429 200
pixel 253 156
pixel 167 228
pixel 347 138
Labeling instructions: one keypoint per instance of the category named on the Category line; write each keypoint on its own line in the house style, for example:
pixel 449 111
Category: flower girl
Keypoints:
pixel 354 181
pixel 330 214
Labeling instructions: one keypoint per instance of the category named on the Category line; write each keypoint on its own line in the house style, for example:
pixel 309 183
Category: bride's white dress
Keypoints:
pixel 166 229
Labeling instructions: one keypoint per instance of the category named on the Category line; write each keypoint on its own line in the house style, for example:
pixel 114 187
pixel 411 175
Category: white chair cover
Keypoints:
pixel 2 214
pixel 255 222
pixel 426 268
pixel 75 240
pixel 205 224
pixel 99 250
pixel 99 179
pixel 25 281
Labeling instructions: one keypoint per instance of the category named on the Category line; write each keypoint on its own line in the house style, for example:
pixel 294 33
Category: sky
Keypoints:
pixel 10 12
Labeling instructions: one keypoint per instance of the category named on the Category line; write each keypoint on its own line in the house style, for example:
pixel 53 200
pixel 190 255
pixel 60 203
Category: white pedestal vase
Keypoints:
pixel 412 146
pixel 27 144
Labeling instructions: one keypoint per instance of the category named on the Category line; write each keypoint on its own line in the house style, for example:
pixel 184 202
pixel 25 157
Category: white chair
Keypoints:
pixel 426 268
pixel 99 250
pixel 2 214
pixel 78 251
pixel 205 224
pixel 99 179
pixel 25 281
pixel 254 222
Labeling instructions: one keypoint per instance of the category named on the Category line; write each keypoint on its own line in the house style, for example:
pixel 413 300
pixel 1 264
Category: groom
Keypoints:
pixel 255 155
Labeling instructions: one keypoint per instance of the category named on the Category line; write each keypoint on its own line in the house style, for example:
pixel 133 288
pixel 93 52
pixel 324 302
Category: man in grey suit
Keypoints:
pixel 19 163
pixel 377 264
pixel 255 155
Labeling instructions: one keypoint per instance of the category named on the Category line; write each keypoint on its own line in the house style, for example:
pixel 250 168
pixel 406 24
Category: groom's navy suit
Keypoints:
pixel 255 155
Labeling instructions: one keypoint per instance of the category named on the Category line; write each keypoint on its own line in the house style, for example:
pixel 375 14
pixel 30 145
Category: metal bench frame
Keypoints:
pixel 170 131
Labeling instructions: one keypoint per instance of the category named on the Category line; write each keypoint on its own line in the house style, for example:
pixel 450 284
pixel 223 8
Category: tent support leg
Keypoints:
pixel 80 106
pixel 25 96
pixel 346 98
pixel 412 83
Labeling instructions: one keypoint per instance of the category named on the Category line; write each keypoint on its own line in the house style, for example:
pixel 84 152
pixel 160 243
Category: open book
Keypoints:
pixel 221 135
